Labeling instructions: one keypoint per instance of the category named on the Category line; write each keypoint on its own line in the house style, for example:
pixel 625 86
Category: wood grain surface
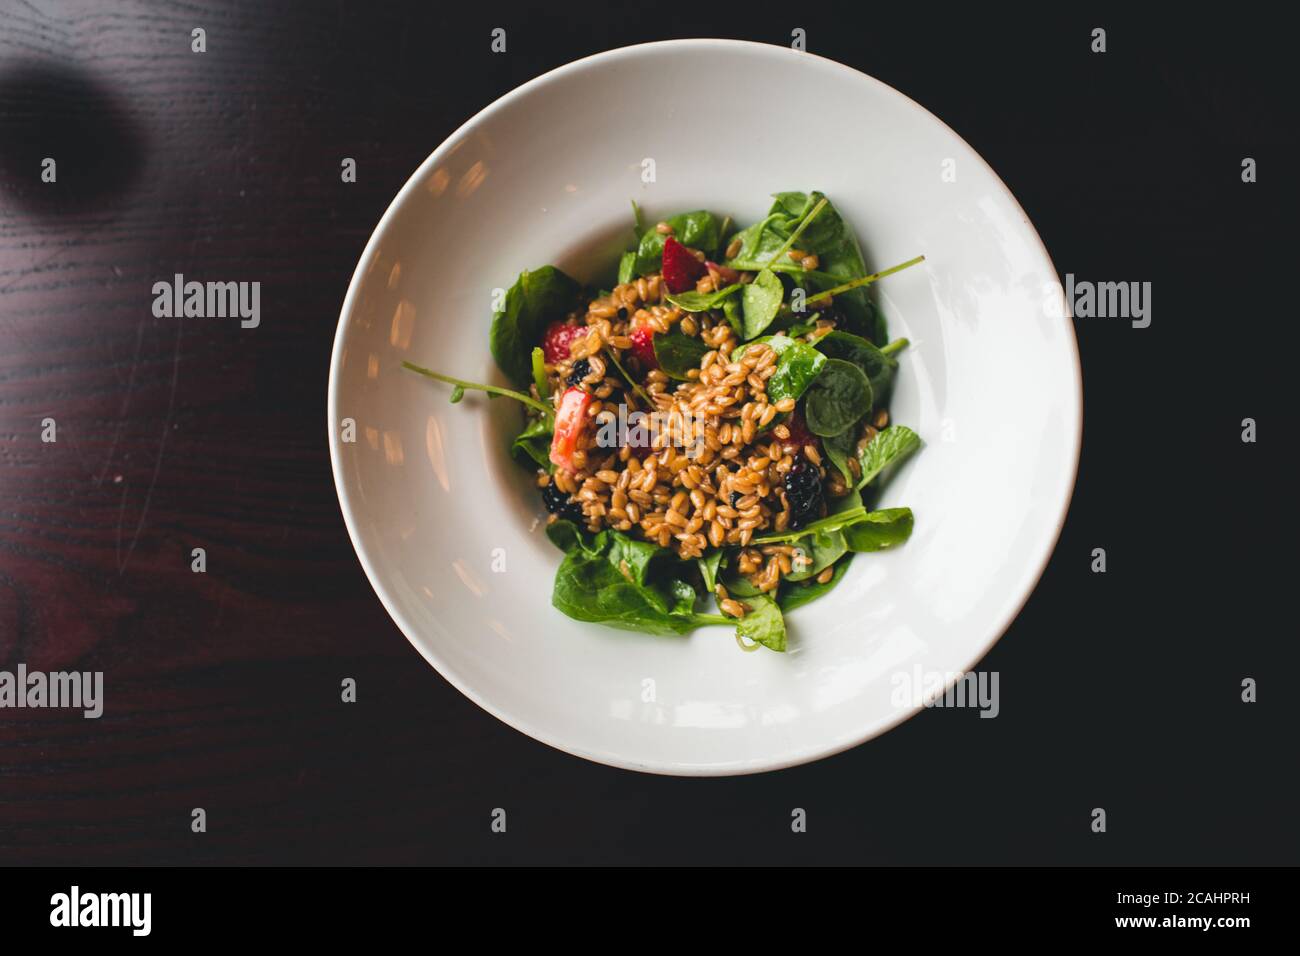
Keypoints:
pixel 222 688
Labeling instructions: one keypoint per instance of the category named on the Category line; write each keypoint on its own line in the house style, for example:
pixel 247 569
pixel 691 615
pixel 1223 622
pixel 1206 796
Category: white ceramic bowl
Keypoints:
pixel 436 508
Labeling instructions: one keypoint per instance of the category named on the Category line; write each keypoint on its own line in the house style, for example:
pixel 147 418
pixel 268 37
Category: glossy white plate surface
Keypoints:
pixel 435 506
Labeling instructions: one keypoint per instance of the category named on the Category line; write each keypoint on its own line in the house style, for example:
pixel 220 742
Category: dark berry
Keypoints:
pixel 558 503
pixel 803 490
pixel 581 369
pixel 735 497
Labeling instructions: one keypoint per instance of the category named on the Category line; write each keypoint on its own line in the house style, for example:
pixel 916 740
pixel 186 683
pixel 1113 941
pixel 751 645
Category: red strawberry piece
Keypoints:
pixel 681 269
pixel 570 420
pixel 643 346
pixel 559 336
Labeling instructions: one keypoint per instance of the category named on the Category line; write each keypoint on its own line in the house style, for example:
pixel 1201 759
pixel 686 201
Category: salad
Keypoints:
pixel 715 425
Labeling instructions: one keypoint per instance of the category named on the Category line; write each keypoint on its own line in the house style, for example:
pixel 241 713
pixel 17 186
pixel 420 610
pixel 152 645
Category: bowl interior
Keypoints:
pixel 449 530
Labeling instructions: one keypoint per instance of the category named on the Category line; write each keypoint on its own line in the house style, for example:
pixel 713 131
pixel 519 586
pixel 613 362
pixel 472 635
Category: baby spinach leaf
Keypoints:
pixel 678 353
pixel 797 367
pixel 638 220
pixel 793 595
pixel 762 623
pixel 878 366
pixel 877 530
pixel 848 513
pixel 710 564
pixel 758 243
pixel 703 301
pixel 533 444
pixel 627 267
pixel 634 558
pixel 589 588
pixel 698 230
pixel 735 317
pixel 889 447
pixel 761 301
pixel 615 580
pixel 778 343
pixel 814 553
pixel 535 300
pixel 839 449
pixel 567 536
pixel 837 398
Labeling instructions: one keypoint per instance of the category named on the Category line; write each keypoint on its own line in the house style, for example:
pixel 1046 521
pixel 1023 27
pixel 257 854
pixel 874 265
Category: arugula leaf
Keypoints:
pixel 533 444
pixel 761 301
pixel 797 367
pixel 535 300
pixel 762 623
pixel 678 353
pixel 638 220
pixel 878 530
pixel 493 390
pixel 798 594
pixel 700 230
pixel 703 301
pixel 839 396
pixel 889 447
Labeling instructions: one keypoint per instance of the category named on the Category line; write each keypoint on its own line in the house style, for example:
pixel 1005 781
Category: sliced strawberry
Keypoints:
pixel 681 269
pixel 570 420
pixel 643 346
pixel 559 336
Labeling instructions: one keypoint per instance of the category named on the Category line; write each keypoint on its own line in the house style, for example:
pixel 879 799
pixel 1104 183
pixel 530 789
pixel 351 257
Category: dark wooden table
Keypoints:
pixel 1119 690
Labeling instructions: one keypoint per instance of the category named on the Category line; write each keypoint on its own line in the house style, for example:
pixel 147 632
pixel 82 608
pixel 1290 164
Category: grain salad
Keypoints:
pixel 711 426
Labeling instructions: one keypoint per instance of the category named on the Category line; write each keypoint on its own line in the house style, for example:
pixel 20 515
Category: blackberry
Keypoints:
pixel 735 496
pixel 581 369
pixel 557 503
pixel 803 489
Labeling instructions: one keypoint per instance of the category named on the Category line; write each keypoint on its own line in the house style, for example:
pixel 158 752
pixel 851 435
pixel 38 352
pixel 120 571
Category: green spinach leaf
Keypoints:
pixel 797 367
pixel 703 301
pixel 533 445
pixel 678 353
pixel 710 564
pixel 814 553
pixel 627 267
pixel 878 366
pixel 839 449
pixel 878 530
pixel 837 398
pixel 699 230
pixel 762 623
pixel 535 300
pixel 792 595
pixel 761 301
pixel 612 579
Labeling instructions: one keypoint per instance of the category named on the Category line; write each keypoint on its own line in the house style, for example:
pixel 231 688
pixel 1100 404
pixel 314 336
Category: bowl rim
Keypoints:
pixel 612 759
